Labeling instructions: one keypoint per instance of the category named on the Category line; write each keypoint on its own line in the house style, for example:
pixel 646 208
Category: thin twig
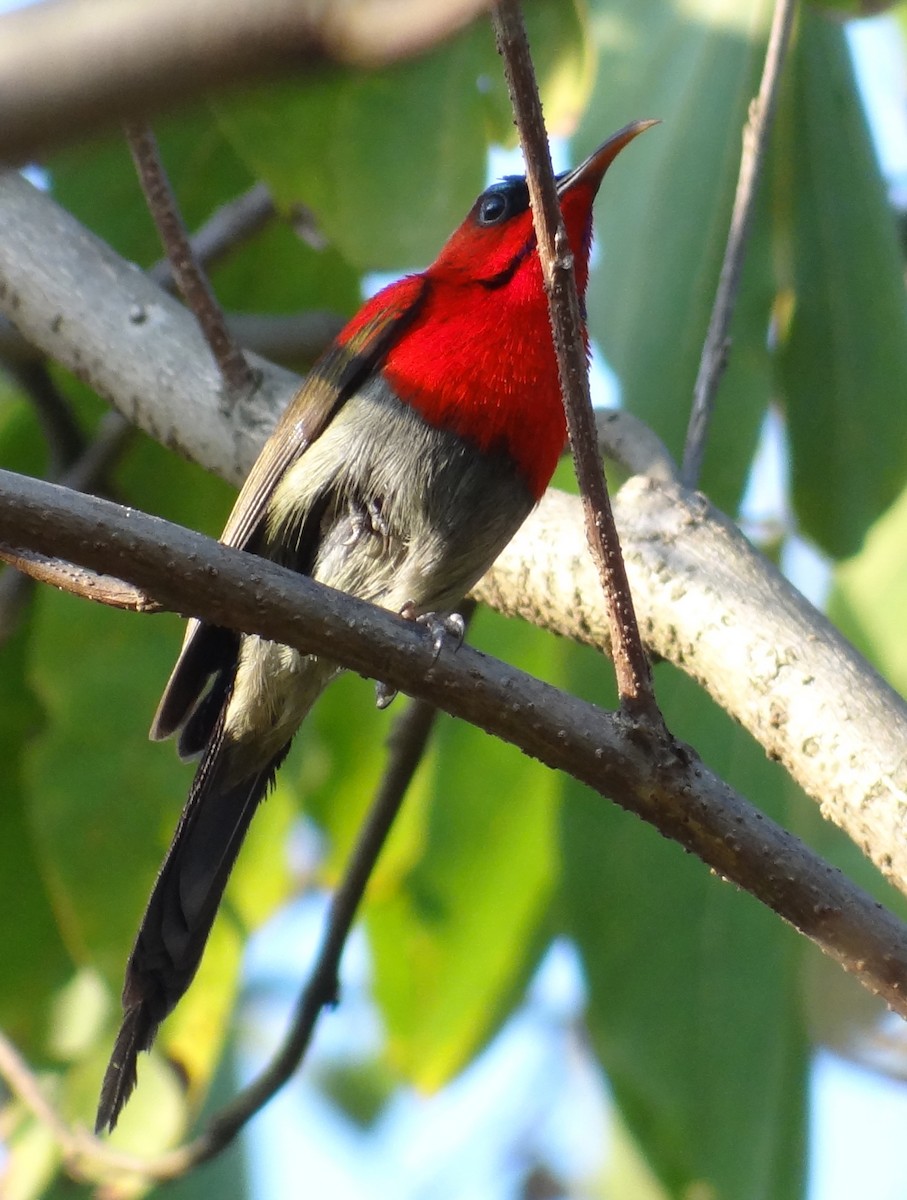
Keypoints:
pixel 88 1159
pixel 634 678
pixel 237 375
pixel 88 585
pixel 755 140
pixel 228 226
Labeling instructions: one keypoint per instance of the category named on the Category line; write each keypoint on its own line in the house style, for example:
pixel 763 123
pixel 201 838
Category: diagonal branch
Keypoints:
pixel 662 781
pixel 87 308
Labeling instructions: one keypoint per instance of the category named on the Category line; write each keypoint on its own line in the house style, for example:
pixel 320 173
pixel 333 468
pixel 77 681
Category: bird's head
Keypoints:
pixel 497 236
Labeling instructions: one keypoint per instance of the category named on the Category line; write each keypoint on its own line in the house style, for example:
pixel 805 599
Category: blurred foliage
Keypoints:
pixel 697 1008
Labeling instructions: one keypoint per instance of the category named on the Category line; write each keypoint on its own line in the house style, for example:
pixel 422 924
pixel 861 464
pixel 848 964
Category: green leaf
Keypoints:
pixel 337 762
pixel 97 182
pixel 27 898
pixel 693 987
pixel 392 160
pixel 663 216
pixel 842 367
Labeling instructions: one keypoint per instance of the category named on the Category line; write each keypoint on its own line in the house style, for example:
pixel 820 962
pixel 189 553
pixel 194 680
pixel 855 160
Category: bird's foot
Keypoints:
pixel 445 629
pixel 367 520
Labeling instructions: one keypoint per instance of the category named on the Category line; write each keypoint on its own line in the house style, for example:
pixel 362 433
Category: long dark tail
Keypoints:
pixel 181 910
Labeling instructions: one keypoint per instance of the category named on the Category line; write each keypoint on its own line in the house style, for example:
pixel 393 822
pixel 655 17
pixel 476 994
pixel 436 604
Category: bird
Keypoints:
pixel 411 454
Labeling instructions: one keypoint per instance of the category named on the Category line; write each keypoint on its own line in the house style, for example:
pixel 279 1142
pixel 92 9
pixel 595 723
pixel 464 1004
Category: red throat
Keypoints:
pixel 479 359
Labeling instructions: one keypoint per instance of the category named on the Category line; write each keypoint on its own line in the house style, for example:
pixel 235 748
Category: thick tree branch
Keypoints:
pixel 664 783
pixel 283 338
pixel 76 65
pixel 706 600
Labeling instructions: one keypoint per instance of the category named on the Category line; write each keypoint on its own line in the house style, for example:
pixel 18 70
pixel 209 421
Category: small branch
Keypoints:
pixel 78 65
pixel 238 378
pixel 78 581
pixel 755 140
pixel 88 1159
pixel 634 677
pixel 228 226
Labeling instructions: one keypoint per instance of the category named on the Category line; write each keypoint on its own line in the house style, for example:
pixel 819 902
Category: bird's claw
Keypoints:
pixel 449 628
pixel 443 627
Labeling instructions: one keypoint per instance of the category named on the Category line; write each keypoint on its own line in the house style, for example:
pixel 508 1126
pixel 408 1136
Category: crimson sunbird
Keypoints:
pixel 411 454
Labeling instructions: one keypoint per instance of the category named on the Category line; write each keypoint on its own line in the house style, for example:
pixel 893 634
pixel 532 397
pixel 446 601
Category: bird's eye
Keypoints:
pixel 492 208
